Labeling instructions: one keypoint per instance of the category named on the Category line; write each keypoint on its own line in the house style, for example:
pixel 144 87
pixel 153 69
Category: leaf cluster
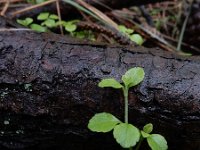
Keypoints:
pixel 47 21
pixel 137 38
pixel 131 78
pixel 126 134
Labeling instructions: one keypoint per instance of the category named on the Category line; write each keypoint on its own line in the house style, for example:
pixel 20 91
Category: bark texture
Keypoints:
pixel 48 92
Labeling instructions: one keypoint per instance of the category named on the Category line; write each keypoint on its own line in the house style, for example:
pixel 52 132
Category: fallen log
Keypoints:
pixel 48 92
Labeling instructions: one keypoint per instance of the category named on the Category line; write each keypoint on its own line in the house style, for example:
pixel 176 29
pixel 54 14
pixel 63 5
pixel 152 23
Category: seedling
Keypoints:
pixel 126 134
pixel 26 22
pixel 49 20
pixel 70 26
pixel 133 37
pixel 38 28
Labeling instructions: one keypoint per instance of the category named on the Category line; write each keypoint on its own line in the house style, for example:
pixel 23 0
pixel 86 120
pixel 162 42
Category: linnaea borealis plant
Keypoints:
pixel 126 134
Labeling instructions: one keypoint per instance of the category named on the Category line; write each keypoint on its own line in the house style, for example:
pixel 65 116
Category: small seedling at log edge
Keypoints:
pixel 137 38
pixel 126 134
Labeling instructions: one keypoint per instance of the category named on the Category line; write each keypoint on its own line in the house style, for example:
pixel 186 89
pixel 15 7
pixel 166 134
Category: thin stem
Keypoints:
pixel 183 29
pixel 32 7
pixel 125 90
pixel 75 4
pixel 131 148
pixel 5 8
pixel 59 16
pixel 139 144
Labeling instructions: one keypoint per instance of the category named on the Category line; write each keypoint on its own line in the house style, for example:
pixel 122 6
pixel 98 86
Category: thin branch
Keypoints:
pixel 59 16
pixel 32 7
pixel 183 29
pixel 11 1
pixel 99 14
pixel 14 29
pixel 5 8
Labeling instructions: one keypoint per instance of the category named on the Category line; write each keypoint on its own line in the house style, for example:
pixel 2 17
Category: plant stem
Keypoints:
pixel 131 148
pixel 125 90
pixel 139 144
pixel 183 28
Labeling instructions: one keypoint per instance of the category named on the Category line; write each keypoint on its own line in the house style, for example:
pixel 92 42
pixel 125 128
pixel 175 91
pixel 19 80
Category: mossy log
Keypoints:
pixel 48 92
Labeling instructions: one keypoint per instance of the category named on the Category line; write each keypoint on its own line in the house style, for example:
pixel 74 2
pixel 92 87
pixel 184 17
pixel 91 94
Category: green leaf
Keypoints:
pixel 54 17
pixel 125 30
pixel 110 83
pixel 43 16
pixel 25 22
pixel 137 39
pixel 129 31
pixel 49 23
pixel 38 28
pixel 103 122
pixel 80 34
pixel 126 135
pixel 157 142
pixel 70 27
pixel 133 76
pixel 122 28
pixel 148 128
pixel 144 134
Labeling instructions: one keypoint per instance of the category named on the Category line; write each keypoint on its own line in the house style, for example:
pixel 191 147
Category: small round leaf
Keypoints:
pixel 49 23
pixel 103 122
pixel 137 39
pixel 43 16
pixel 133 76
pixel 38 28
pixel 54 17
pixel 70 27
pixel 126 135
pixel 122 28
pixel 157 142
pixel 25 22
pixel 129 31
pixel 148 128
pixel 110 83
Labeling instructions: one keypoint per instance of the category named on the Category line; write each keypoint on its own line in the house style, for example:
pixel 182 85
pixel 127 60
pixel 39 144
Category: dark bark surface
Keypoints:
pixel 48 92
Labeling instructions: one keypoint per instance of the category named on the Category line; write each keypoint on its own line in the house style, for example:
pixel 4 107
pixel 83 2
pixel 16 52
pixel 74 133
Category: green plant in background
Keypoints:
pixel 28 22
pixel 25 22
pixel 38 28
pixel 126 134
pixel 48 20
pixel 70 26
pixel 133 37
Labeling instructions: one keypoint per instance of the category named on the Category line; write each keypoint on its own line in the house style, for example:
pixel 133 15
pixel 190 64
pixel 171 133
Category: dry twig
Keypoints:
pixel 99 14
pixel 59 16
pixel 33 7
pixel 5 8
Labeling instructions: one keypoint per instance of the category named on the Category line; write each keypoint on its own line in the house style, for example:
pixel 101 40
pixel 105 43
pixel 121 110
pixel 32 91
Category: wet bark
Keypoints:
pixel 48 92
